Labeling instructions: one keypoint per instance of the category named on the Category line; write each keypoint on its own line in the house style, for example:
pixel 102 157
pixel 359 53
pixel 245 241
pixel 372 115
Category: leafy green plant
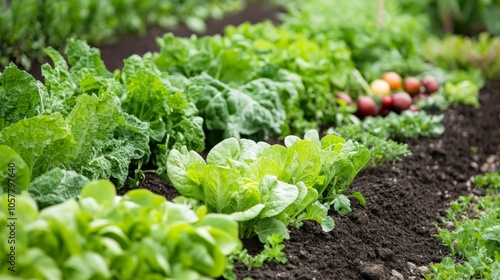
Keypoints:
pixel 95 21
pixel 474 242
pixel 272 252
pixel 103 236
pixel 267 188
pixel 81 120
pixel 377 133
pixel 456 52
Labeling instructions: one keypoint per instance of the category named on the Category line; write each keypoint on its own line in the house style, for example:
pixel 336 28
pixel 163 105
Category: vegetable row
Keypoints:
pixel 52 21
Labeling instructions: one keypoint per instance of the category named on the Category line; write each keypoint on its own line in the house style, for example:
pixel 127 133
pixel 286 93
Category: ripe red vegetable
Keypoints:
pixel 393 79
pixel 430 83
pixel 401 101
pixel 411 85
pixel 366 106
pixel 387 101
pixel 344 96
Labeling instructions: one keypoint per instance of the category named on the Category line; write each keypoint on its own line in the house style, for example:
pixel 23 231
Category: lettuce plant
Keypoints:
pixel 103 236
pixel 268 188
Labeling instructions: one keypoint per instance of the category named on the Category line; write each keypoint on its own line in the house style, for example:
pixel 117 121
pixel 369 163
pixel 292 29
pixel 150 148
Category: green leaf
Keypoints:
pixel 269 226
pixel 276 195
pixel 358 196
pixel 102 191
pixel 218 186
pixel 183 176
pixel 249 213
pixel 93 119
pixel 319 212
pixel 89 265
pixel 144 198
pixel 84 59
pixel 20 95
pixel 56 186
pixel 303 163
pixel 13 170
pixel 44 142
pixel 342 205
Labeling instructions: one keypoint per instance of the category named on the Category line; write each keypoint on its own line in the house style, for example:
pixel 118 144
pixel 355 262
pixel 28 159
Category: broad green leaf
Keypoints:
pixel 330 140
pixel 303 164
pixel 219 185
pixel 276 195
pixel 290 140
pixel 89 265
pixel 56 186
pixel 144 198
pixel 313 136
pixel 20 96
pixel 102 191
pixel 38 265
pixel 223 230
pixel 269 226
pixel 319 213
pixel 249 213
pixel 93 119
pixel 178 165
pixel 14 172
pixel 44 142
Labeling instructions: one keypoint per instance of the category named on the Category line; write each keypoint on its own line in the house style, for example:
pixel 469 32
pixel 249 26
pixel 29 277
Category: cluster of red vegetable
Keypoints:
pixel 391 93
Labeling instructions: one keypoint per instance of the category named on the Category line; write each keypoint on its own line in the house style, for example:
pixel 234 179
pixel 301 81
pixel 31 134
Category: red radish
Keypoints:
pixel 401 101
pixel 366 106
pixel 414 108
pixel 430 83
pixel 411 85
pixel 393 79
pixel 344 96
pixel 387 101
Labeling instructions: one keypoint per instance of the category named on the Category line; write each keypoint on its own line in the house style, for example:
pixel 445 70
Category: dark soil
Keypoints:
pixel 404 199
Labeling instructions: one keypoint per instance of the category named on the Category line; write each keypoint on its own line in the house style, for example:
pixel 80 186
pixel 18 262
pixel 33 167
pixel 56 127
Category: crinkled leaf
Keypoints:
pixel 44 142
pixel 56 186
pixel 19 95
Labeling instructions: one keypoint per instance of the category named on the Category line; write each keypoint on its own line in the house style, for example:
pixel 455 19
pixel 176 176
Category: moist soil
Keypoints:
pixel 405 200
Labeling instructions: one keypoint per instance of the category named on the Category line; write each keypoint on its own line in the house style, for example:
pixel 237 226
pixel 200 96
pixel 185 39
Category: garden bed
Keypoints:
pixel 404 199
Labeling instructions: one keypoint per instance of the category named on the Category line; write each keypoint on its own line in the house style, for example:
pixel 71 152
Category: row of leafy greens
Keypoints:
pixel 102 236
pixel 268 188
pixel 51 22
pixel 87 120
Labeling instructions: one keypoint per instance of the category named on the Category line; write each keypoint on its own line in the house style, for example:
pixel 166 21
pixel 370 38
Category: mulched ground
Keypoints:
pixel 404 199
